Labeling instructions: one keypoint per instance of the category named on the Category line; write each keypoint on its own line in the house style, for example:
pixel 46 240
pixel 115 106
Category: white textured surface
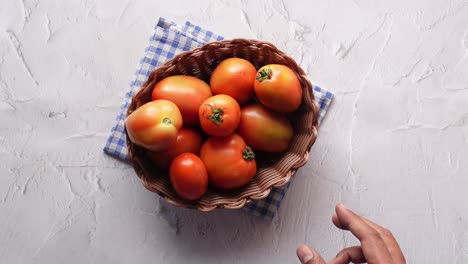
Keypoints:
pixel 394 145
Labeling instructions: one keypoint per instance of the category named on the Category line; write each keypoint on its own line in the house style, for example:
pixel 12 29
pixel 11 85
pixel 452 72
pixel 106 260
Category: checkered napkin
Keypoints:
pixel 167 41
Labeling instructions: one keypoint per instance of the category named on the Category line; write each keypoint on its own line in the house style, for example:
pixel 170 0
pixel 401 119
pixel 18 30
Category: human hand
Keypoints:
pixel 377 243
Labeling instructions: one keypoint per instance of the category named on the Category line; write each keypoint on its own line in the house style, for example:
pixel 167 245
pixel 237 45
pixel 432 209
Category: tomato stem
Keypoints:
pixel 264 74
pixel 248 153
pixel 216 115
pixel 167 121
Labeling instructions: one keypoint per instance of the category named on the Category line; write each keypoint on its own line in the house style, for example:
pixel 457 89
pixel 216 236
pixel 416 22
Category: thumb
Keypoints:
pixel 308 255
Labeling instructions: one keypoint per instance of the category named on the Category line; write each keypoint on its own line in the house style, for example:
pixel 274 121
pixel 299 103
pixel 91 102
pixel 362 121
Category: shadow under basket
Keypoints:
pixel 273 170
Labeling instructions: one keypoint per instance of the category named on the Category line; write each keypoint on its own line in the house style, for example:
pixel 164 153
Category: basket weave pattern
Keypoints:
pixel 273 170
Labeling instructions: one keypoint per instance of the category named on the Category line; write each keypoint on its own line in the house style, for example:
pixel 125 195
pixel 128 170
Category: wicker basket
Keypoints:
pixel 273 170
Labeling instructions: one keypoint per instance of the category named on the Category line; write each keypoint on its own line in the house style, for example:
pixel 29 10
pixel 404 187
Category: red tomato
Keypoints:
pixel 264 129
pixel 277 87
pixel 154 125
pixel 229 161
pixel 187 92
pixel 188 176
pixel 188 140
pixel 219 115
pixel 234 77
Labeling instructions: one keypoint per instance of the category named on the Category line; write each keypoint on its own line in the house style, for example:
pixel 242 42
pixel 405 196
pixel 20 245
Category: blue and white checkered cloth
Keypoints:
pixel 167 41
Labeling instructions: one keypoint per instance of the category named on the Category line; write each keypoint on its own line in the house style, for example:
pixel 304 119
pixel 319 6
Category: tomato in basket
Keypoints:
pixel 230 163
pixel 219 115
pixel 188 176
pixel 234 77
pixel 154 125
pixel 277 87
pixel 187 92
pixel 188 140
pixel 264 129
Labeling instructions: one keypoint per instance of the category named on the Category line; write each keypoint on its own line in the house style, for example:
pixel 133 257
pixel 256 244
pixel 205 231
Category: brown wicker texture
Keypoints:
pixel 273 170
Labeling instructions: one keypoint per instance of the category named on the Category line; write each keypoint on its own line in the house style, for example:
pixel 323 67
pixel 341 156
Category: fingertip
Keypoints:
pixel 344 215
pixel 340 206
pixel 343 210
pixel 334 217
pixel 308 255
pixel 339 210
pixel 336 221
pixel 337 205
pixel 305 253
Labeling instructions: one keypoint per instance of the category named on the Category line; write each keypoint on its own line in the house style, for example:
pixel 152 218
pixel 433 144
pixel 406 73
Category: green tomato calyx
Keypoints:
pixel 264 74
pixel 216 115
pixel 167 121
pixel 248 153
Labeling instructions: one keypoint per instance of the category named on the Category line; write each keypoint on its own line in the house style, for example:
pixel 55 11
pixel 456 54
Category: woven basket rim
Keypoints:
pixel 239 201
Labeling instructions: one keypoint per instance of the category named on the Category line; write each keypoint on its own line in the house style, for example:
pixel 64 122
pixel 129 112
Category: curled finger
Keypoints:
pixel 348 255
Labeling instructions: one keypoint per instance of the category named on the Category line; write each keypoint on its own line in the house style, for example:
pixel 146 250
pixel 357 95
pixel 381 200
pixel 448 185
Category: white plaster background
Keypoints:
pixel 394 145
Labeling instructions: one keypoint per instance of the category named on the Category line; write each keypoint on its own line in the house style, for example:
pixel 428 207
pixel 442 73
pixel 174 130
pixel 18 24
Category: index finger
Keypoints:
pixel 373 246
pixel 354 223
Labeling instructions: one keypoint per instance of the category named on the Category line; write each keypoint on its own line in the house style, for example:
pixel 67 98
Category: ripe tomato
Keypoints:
pixel 188 176
pixel 188 140
pixel 154 125
pixel 277 87
pixel 264 129
pixel 229 161
pixel 187 92
pixel 234 77
pixel 219 115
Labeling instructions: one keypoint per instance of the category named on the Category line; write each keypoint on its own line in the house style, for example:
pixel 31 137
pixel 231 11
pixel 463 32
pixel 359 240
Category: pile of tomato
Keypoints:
pixel 207 134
